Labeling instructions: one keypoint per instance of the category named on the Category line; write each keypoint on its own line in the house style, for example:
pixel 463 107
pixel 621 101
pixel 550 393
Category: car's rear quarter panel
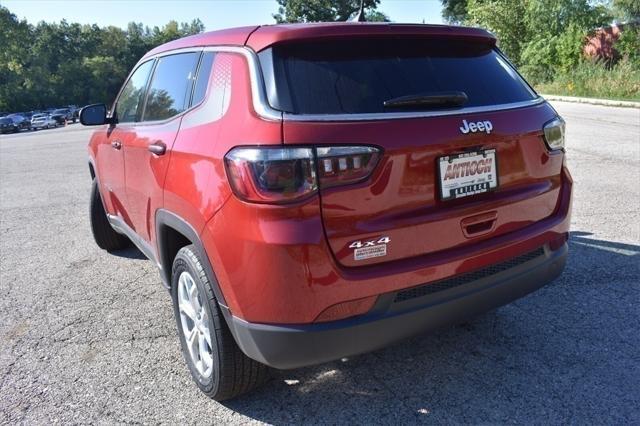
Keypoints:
pixel 196 185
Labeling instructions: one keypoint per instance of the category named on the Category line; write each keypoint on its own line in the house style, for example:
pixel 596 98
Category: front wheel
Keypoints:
pixel 103 233
pixel 218 366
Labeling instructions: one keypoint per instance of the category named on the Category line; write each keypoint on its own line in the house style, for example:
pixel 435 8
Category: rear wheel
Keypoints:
pixel 218 366
pixel 103 233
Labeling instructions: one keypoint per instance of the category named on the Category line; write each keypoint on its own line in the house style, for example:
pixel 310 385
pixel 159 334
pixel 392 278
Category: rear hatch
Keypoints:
pixel 462 160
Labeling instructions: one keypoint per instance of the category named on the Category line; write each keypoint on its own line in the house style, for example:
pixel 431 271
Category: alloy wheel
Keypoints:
pixel 195 324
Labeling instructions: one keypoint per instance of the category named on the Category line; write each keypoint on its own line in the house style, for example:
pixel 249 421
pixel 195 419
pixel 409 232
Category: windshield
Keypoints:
pixel 359 76
pixel 60 111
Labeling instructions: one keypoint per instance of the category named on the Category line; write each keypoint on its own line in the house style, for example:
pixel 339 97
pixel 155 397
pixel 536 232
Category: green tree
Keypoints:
pixel 53 64
pixel 506 19
pixel 454 11
pixel 626 10
pixel 543 37
pixel 628 46
pixel 13 53
pixel 325 10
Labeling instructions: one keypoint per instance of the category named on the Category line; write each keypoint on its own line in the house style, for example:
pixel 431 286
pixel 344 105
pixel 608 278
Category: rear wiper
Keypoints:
pixel 426 101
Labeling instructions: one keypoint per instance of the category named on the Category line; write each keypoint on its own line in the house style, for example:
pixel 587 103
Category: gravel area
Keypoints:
pixel 89 337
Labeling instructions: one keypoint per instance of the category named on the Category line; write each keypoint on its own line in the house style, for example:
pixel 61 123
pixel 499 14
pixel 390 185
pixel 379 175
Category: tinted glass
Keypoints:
pixel 129 104
pixel 202 81
pixel 358 76
pixel 170 88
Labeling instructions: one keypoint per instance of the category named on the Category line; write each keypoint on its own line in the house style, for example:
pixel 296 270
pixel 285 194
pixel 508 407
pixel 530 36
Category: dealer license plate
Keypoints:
pixel 468 173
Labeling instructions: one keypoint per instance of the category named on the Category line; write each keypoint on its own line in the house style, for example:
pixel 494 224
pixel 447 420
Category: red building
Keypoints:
pixel 600 44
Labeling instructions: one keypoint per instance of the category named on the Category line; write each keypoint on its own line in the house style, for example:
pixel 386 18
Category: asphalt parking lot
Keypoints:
pixel 89 337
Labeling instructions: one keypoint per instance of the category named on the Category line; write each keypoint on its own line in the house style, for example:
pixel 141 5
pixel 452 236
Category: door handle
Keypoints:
pixel 158 148
pixel 116 144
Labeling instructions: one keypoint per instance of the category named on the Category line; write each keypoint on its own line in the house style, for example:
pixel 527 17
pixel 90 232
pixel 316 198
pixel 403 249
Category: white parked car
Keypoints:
pixel 42 121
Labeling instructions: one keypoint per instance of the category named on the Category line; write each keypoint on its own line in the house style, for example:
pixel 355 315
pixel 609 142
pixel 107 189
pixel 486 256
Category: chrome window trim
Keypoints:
pixel 412 114
pixel 267 112
pixel 259 96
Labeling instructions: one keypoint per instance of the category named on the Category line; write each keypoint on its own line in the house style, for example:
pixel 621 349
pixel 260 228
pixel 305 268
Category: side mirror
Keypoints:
pixel 94 115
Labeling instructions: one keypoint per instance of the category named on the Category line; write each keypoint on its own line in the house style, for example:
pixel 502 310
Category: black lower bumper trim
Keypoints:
pixel 295 346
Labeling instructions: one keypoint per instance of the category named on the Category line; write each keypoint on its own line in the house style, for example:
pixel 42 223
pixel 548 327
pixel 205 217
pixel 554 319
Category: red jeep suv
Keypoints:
pixel 311 192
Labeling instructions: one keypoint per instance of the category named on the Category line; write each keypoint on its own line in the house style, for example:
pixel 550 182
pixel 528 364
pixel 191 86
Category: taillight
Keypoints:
pixel 342 165
pixel 271 175
pixel 554 133
pixel 283 175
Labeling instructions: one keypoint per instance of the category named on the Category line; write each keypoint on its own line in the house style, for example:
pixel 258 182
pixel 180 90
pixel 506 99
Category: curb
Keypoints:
pixel 592 101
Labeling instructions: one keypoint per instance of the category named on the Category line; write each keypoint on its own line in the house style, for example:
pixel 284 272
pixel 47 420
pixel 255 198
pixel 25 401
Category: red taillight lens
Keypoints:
pixel 341 165
pixel 271 175
pixel 282 175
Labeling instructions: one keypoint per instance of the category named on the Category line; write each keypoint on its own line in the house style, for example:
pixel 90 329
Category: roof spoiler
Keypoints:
pixel 267 36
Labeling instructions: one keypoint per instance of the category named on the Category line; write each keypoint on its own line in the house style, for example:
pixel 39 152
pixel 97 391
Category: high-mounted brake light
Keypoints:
pixel 554 133
pixel 283 175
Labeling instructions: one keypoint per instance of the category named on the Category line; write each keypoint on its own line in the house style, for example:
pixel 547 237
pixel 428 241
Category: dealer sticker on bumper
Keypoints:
pixel 369 252
pixel 468 173
pixel 368 249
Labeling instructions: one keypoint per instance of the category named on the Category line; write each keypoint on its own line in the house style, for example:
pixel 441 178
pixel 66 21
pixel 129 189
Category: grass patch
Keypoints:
pixel 594 80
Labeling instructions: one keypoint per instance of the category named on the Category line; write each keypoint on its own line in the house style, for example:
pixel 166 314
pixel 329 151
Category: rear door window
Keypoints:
pixel 358 76
pixel 170 89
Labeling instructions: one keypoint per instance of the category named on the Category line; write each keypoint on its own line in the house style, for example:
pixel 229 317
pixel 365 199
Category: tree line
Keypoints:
pixel 545 38
pixel 54 64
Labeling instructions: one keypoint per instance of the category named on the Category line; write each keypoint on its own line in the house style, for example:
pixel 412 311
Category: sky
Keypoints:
pixel 215 14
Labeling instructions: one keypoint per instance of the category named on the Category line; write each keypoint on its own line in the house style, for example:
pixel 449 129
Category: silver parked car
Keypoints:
pixel 42 121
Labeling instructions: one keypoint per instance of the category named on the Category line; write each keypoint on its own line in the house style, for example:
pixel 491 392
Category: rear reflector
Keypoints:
pixel 558 242
pixel 283 175
pixel 347 309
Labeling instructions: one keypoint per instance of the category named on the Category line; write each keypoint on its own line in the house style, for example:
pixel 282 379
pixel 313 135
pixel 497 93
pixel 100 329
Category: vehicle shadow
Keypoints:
pixel 131 252
pixel 565 353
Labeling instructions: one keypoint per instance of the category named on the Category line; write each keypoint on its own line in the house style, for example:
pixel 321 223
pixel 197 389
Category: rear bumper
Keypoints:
pixel 399 315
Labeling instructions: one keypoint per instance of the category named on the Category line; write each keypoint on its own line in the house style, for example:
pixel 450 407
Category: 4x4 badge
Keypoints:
pixel 368 249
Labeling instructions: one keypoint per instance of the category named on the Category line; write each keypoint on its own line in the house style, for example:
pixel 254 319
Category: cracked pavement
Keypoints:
pixel 89 337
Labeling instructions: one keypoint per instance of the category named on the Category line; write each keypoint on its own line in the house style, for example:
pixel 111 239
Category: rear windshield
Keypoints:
pixel 358 76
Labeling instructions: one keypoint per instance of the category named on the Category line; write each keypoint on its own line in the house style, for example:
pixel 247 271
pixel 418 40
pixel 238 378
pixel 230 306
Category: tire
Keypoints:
pixel 231 373
pixel 103 233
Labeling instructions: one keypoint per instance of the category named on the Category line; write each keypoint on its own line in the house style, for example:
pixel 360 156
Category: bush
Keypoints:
pixel 628 46
pixel 594 79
